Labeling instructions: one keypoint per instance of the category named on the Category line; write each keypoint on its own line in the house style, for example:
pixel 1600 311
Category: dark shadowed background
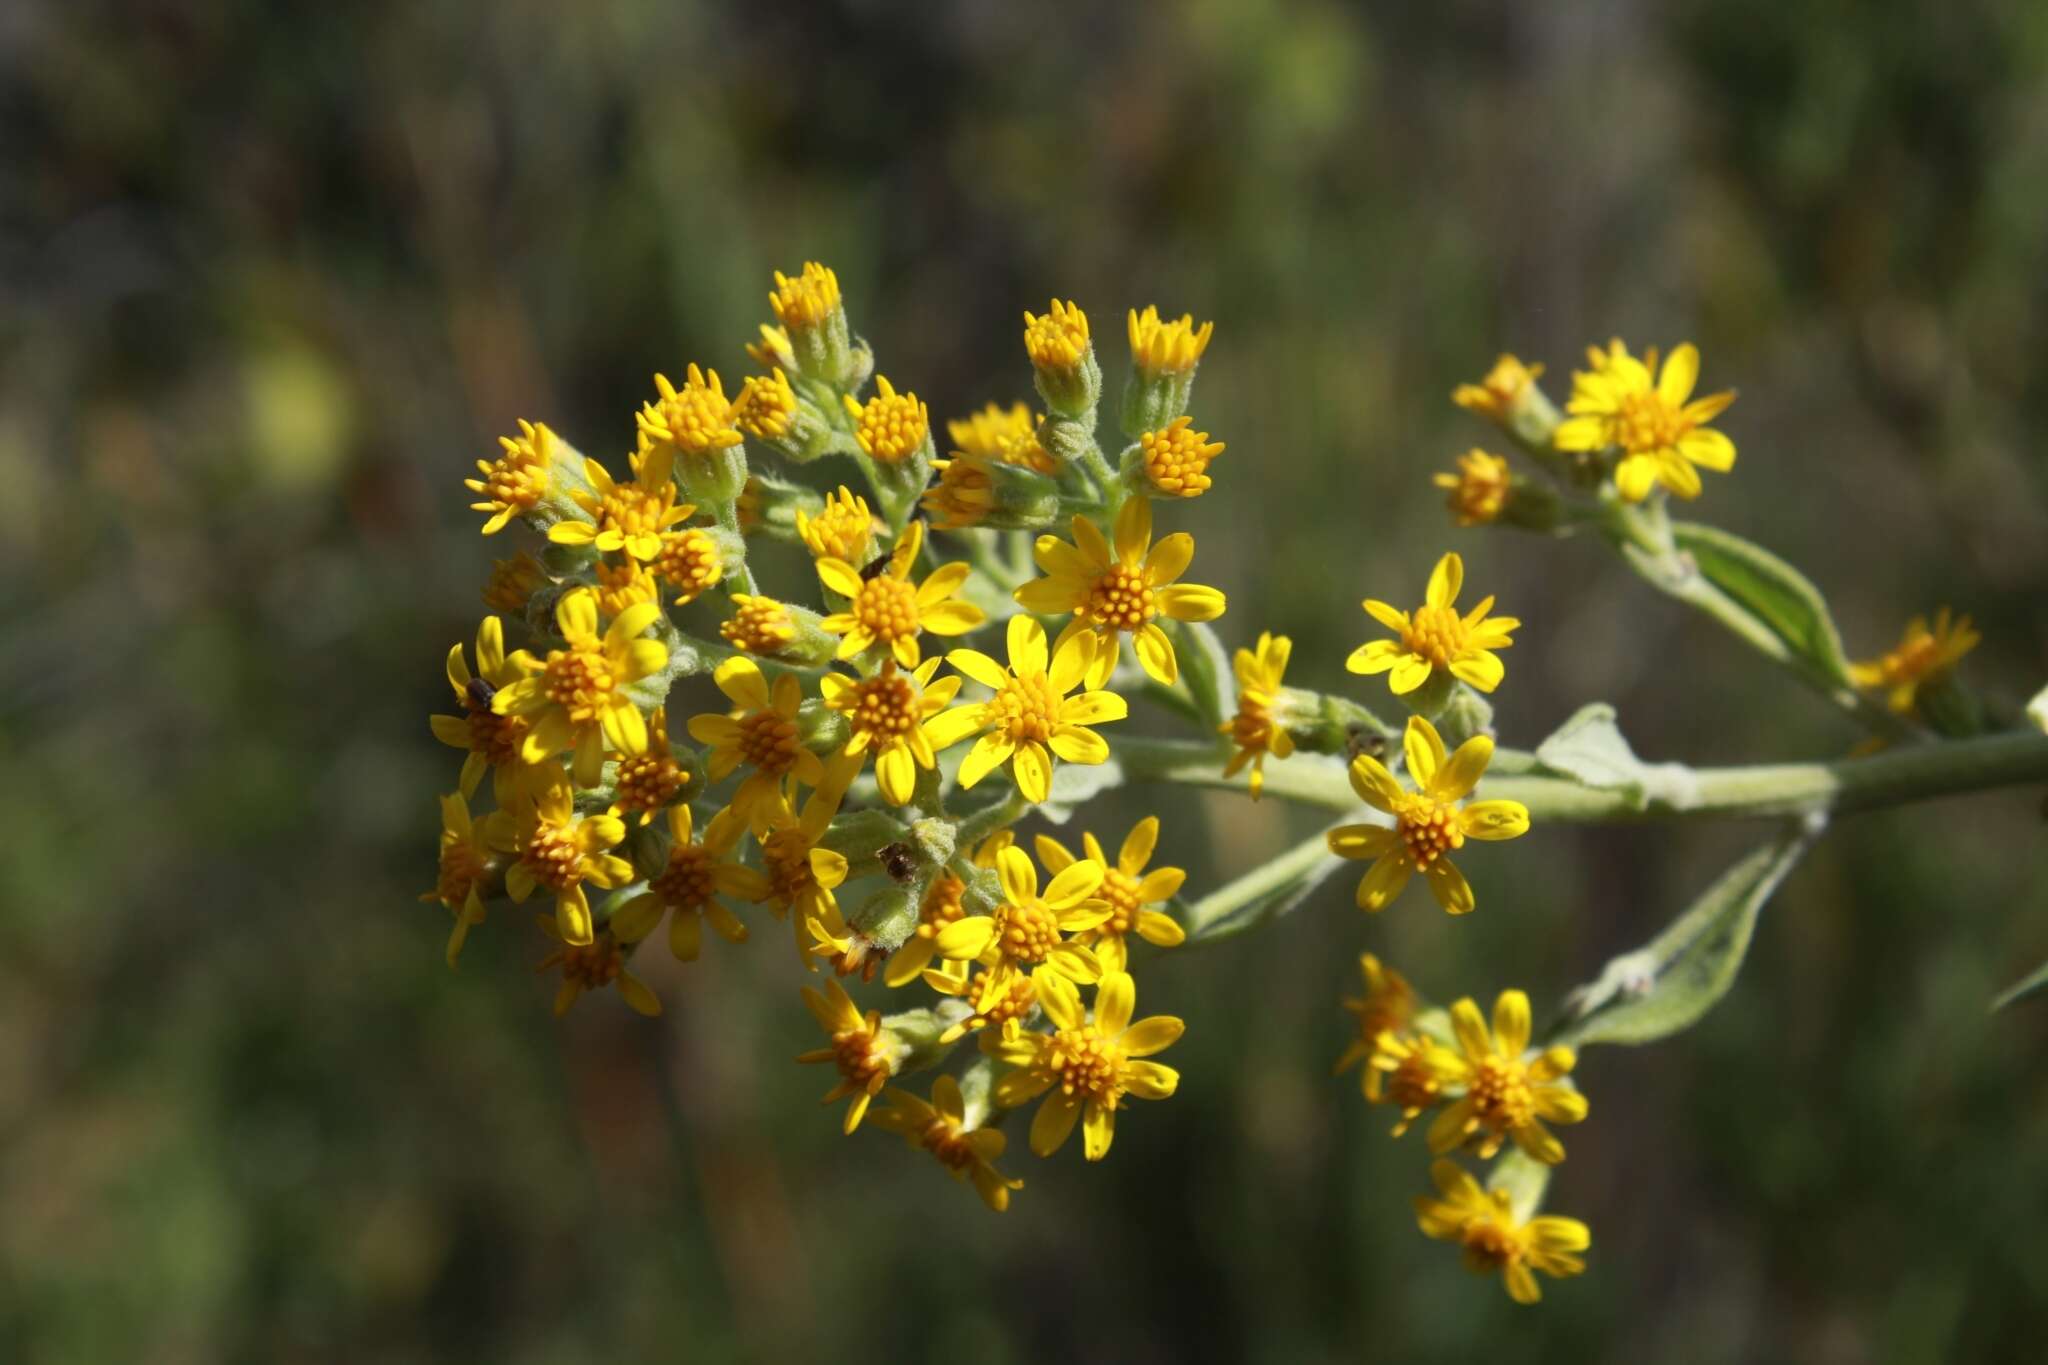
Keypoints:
pixel 271 277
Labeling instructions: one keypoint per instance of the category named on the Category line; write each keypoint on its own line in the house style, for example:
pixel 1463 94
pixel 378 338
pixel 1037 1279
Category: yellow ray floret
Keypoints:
pixel 493 743
pixel 890 716
pixel 466 859
pixel 559 851
pixel 625 518
pixel 1121 589
pixel 575 699
pixel 1127 889
pixel 1435 637
pixel 1507 1093
pixel 888 610
pixel 1089 1064
pixel 1256 729
pixel 1479 490
pixel 517 480
pixel 1003 435
pixel 1388 1006
pixel 689 887
pixel 866 1054
pixel 1661 435
pixel 760 733
pixel 1495 396
pixel 1031 718
pixel 1429 822
pixel 1028 930
pixel 1923 656
pixel 942 1127
pixel 593 966
pixel 1483 1222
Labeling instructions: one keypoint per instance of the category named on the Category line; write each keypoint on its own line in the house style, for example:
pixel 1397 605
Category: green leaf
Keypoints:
pixel 1590 749
pixel 2032 984
pixel 1205 668
pixel 1074 783
pixel 1524 1178
pixel 1668 984
pixel 1770 590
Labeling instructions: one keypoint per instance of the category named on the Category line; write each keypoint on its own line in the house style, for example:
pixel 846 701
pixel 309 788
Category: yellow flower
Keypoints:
pixel 1660 434
pixel 1437 637
pixel 1128 889
pixel 646 782
pixel 1167 348
pixel 1428 822
pixel 693 420
pixel 623 585
pixel 512 582
pixel 886 609
pixel 844 529
pixel 1092 1064
pixel 998 999
pixel 593 966
pixel 1058 342
pixel 516 481
pixel 1005 436
pixel 759 625
pixel 890 715
pixel 1479 489
pixel 1120 591
pixel 1484 1223
pixel 866 1054
pixel 806 301
pixel 941 1127
pixel 1177 458
pixel 1506 1095
pixel 890 427
pixel 1922 657
pixel 689 562
pixel 1255 729
pixel 801 875
pixel 761 733
pixel 1027 931
pixel 772 351
pixel 1030 719
pixel 493 742
pixel 629 517
pixel 1495 396
pixel 465 863
pixel 575 699
pixel 766 406
pixel 1407 1071
pixel 942 905
pixel 688 888
pixel 1386 1007
pixel 963 496
pixel 560 851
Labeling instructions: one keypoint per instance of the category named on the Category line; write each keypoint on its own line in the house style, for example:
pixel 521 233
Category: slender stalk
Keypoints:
pixel 1210 918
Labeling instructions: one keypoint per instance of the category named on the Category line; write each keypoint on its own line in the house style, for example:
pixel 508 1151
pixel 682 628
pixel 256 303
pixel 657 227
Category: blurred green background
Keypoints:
pixel 271 277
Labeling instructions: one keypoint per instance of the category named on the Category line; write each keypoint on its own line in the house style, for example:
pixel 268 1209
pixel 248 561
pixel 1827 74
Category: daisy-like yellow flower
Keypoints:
pixel 560 851
pixel 493 742
pixel 1495 396
pixel 1003 436
pixel 648 781
pixel 802 877
pixel 1407 1071
pixel 805 301
pixel 1057 342
pixel 1479 490
pixel 1028 930
pixel 694 420
pixel 512 582
pixel 888 609
pixel 1031 718
pixel 1160 347
pixel 1089 1064
pixel 1435 637
pixel 761 733
pixel 759 625
pixel 844 529
pixel 890 715
pixel 687 890
pixel 998 999
pixel 575 699
pixel 766 406
pixel 1387 1006
pixel 1507 1095
pixel 1120 590
pixel 941 1127
pixel 1483 1222
pixel 625 518
pixel 466 859
pixel 942 905
pixel 1176 458
pixel 593 966
pixel 623 585
pixel 1255 729
pixel 515 482
pixel 1429 822
pixel 866 1054
pixel 1129 891
pixel 1922 657
pixel 1661 435
pixel 690 562
pixel 890 427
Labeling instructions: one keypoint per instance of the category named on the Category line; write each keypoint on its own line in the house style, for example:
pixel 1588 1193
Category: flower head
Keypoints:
pixel 759 625
pixel 688 888
pixel 942 1128
pixel 559 851
pixel 689 561
pixel 1176 458
pixel 806 301
pixel 1429 822
pixel 1028 930
pixel 1922 657
pixel 1256 729
pixel 575 698
pixel 1091 1065
pixel 1507 1094
pixel 962 496
pixel 1120 590
pixel 891 427
pixel 890 716
pixel 760 734
pixel 623 585
pixel 1031 718
pixel 1484 1223
pixel 843 529
pixel 1386 1007
pixel 1161 347
pixel 625 518
pixel 1436 637
pixel 802 876
pixel 1128 889
pixel 887 609
pixel 593 966
pixel 1496 395
pixel 772 351
pixel 515 482
pixel 648 781
pixel 512 582
pixel 1479 490
pixel 1407 1071
pixel 1003 436
pixel 466 860
pixel 866 1054
pixel 1661 435
pixel 694 420
pixel 494 743
pixel 1057 342
pixel 766 406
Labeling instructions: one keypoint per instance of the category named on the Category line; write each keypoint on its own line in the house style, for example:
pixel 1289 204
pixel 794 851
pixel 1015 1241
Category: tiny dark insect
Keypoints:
pixel 1363 741
pixel 873 568
pixel 899 861
pixel 479 693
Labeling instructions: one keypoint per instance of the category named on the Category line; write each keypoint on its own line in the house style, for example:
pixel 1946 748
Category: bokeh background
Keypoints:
pixel 272 276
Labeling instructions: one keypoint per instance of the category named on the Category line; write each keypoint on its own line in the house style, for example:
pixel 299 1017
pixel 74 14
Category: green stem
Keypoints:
pixel 1209 918
pixel 738 577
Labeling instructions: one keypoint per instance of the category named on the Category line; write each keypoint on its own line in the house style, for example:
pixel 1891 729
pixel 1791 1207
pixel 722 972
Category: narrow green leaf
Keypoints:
pixel 1668 984
pixel 1590 748
pixel 2032 984
pixel 1769 589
